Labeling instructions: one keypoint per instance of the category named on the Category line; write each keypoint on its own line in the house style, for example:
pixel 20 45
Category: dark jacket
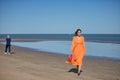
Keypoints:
pixel 8 41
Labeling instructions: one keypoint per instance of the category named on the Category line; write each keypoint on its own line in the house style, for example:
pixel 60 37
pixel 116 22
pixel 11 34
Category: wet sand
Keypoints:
pixel 26 64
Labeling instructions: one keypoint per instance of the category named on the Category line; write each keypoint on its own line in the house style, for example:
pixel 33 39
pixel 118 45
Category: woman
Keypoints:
pixel 78 50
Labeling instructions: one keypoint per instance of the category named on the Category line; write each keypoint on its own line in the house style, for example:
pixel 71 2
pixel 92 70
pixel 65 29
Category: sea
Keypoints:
pixel 97 45
pixel 112 38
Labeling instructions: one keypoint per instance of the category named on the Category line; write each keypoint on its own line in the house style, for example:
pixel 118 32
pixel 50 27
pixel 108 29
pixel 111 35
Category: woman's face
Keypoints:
pixel 78 33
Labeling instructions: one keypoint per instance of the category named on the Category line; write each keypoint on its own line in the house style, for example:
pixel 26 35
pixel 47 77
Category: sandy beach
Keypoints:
pixel 26 64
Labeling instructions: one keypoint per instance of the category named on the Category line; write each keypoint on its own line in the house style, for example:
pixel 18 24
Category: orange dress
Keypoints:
pixel 78 49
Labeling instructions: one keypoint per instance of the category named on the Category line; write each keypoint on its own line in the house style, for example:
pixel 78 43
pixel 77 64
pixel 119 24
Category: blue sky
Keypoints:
pixel 59 16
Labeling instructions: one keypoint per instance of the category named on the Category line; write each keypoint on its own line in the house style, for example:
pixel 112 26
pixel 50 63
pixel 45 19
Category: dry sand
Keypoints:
pixel 26 64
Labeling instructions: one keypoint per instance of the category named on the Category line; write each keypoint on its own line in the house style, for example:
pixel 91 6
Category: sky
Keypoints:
pixel 59 16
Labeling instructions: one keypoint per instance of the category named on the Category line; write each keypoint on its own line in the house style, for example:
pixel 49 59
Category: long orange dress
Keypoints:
pixel 78 49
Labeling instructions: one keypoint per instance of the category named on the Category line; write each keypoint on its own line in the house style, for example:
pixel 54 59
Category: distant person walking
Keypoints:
pixel 8 45
pixel 77 50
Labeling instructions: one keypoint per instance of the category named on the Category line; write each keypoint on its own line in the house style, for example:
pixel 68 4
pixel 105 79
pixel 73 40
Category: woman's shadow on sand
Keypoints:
pixel 73 70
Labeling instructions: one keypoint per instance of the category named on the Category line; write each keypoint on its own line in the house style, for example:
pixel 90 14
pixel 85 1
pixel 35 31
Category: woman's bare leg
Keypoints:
pixel 79 68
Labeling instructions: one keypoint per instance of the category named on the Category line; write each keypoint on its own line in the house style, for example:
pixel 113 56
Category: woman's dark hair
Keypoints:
pixel 77 32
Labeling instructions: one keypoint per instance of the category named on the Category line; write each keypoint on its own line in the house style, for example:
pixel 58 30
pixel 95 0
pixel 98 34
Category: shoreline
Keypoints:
pixel 53 53
pixel 39 40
